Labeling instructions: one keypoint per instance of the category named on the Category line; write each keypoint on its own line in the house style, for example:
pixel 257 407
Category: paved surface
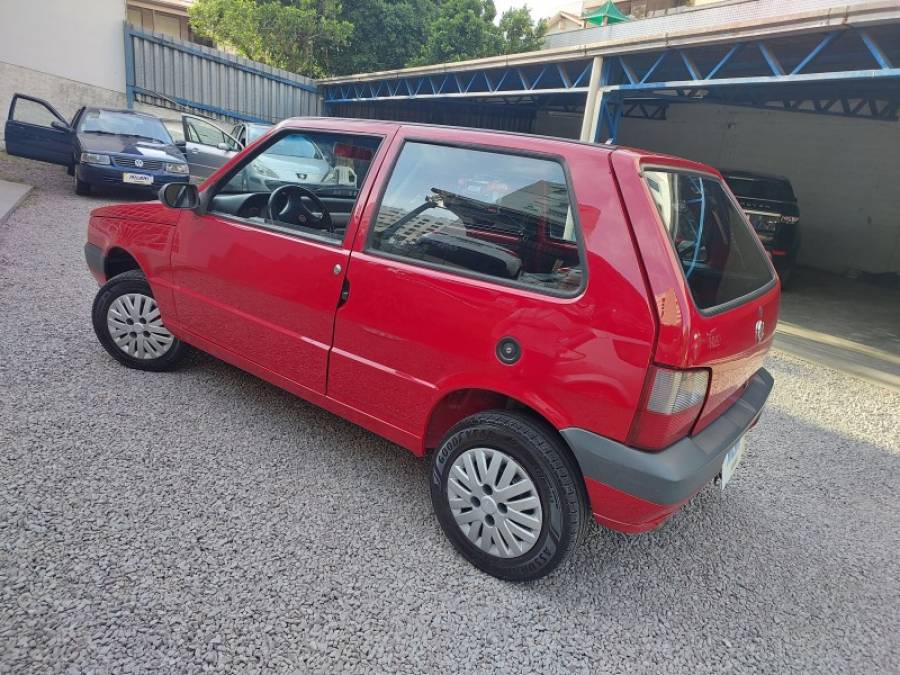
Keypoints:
pixel 11 195
pixel 204 520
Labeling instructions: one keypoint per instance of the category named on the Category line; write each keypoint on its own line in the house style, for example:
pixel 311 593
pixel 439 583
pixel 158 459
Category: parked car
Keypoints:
pixel 206 146
pixel 566 329
pixel 101 147
pixel 771 206
pixel 293 160
pixel 249 132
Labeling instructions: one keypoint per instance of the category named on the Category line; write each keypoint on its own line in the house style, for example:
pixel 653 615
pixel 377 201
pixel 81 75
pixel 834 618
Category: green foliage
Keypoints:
pixel 520 32
pixel 463 29
pixel 297 35
pixel 319 38
pixel 387 34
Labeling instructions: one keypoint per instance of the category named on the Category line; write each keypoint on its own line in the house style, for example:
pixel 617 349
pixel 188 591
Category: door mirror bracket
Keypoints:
pixel 180 195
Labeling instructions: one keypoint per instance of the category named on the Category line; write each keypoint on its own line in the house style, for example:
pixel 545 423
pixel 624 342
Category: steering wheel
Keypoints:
pixel 287 204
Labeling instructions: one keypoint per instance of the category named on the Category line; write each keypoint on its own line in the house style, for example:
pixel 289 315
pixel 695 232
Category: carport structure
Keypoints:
pixel 842 61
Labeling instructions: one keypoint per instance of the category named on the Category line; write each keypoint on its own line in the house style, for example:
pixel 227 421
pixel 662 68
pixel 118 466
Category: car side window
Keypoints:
pixel 32 112
pixel 206 133
pixel 509 217
pixel 302 182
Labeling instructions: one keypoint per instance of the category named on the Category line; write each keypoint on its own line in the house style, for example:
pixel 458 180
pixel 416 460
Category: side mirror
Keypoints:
pixel 179 195
pixel 224 146
pixel 60 126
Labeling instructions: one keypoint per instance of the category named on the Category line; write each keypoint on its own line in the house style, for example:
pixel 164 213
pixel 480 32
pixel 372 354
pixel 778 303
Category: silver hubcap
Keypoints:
pixel 494 502
pixel 136 326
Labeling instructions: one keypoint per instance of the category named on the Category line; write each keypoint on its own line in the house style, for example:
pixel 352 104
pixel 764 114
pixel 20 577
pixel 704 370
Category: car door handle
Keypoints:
pixel 193 150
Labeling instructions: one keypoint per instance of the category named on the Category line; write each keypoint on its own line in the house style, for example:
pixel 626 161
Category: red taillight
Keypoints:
pixel 670 405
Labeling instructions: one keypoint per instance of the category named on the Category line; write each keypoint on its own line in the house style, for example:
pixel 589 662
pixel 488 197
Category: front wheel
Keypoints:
pixel 82 188
pixel 129 325
pixel 508 495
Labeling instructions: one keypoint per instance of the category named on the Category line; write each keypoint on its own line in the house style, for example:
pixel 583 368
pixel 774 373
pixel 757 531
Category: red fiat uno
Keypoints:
pixel 566 329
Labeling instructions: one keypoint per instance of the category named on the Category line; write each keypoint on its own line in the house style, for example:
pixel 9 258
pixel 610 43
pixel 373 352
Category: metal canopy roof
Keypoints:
pixel 839 64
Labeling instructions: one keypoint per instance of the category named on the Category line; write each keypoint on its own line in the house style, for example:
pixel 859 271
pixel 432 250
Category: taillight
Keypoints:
pixel 670 405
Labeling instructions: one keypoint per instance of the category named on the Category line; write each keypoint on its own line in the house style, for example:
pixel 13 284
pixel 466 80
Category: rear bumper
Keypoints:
pixel 634 491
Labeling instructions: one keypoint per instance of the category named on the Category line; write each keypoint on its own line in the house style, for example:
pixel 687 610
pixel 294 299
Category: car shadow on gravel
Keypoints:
pixel 797 485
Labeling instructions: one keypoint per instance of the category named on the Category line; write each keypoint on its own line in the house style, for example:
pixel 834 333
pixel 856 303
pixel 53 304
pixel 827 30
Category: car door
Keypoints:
pixel 266 289
pixel 34 129
pixel 207 147
pixel 469 260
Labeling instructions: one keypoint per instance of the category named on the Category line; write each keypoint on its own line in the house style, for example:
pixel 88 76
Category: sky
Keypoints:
pixel 540 9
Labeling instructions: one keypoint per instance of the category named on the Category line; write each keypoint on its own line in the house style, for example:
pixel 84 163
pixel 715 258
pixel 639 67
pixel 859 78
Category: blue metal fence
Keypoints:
pixel 170 73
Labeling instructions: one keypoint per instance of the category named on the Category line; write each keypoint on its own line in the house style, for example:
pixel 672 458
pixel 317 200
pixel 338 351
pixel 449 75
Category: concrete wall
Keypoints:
pixel 66 51
pixel 76 40
pixel 846 172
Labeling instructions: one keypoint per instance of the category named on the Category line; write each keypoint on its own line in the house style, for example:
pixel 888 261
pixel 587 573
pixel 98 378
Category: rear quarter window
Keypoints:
pixel 720 256
pixel 504 216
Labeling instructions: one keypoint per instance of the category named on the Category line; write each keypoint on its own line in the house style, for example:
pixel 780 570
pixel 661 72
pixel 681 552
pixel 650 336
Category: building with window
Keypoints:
pixel 168 17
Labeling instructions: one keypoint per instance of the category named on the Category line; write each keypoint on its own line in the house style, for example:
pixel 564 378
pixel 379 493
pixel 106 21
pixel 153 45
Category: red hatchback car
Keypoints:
pixel 567 329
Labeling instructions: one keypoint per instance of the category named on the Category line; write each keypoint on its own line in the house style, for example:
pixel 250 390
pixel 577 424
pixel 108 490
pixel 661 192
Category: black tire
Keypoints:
pixel 81 188
pixel 132 281
pixel 552 471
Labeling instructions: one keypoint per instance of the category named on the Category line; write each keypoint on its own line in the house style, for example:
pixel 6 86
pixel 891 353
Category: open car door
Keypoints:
pixel 34 129
pixel 206 146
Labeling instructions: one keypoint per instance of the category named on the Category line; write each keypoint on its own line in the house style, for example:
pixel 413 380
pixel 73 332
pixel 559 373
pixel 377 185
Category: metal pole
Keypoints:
pixel 591 107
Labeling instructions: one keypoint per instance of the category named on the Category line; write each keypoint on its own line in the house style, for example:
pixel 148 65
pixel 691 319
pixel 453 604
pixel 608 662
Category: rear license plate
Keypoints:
pixel 732 459
pixel 137 178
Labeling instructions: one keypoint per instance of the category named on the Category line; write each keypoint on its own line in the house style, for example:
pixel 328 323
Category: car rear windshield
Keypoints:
pixel 752 187
pixel 719 253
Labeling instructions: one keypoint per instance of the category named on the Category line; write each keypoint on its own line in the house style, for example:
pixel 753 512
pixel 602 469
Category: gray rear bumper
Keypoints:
pixel 678 472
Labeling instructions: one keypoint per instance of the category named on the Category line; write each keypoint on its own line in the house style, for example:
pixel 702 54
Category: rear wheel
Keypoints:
pixel 129 325
pixel 508 495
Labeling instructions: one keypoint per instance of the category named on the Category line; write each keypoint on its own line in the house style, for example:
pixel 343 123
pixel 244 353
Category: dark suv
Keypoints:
pixel 771 206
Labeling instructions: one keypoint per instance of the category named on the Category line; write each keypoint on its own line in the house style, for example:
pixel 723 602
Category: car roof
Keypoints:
pixel 295 122
pixel 124 111
pixel 380 126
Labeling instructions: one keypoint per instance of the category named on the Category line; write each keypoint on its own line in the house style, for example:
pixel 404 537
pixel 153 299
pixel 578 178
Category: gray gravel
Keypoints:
pixel 204 520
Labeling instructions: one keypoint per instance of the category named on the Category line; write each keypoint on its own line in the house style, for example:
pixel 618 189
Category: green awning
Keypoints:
pixel 606 14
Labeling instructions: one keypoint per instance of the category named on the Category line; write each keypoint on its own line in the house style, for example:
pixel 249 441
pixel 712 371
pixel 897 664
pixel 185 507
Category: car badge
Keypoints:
pixel 760 330
pixel 139 162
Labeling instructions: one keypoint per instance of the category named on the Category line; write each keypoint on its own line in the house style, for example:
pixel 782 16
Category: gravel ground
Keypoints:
pixel 204 520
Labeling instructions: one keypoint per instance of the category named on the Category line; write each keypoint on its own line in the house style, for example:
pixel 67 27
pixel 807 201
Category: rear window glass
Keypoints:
pixel 770 189
pixel 719 253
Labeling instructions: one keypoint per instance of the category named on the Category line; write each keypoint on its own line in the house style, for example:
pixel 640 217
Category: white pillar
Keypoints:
pixel 592 104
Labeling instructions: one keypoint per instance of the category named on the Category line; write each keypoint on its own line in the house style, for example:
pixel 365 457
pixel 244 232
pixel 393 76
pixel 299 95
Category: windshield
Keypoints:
pixel 720 255
pixel 125 124
pixel 771 189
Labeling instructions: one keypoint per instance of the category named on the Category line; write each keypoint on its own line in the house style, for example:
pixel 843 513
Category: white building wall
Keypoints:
pixel 70 52
pixel 846 172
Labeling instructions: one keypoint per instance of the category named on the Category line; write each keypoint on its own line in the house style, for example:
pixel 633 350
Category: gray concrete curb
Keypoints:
pixel 11 195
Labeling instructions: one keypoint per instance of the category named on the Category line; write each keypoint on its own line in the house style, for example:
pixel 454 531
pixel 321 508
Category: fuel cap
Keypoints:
pixel 508 350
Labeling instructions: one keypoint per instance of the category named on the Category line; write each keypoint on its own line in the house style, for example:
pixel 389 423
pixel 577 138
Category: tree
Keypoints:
pixel 297 35
pixel 520 32
pixel 462 29
pixel 387 34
